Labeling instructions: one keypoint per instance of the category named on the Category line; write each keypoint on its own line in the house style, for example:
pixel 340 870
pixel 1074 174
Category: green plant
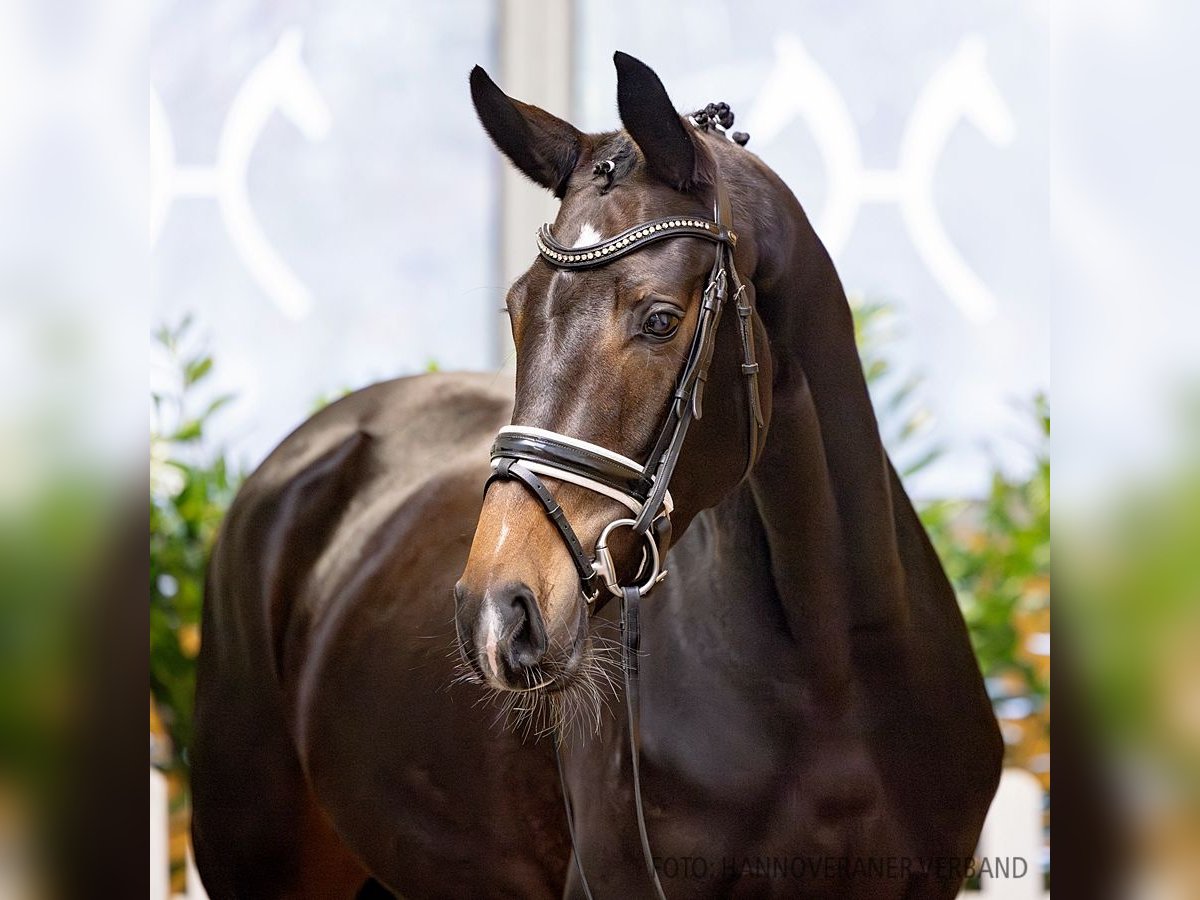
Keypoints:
pixel 996 551
pixel 190 488
pixel 997 554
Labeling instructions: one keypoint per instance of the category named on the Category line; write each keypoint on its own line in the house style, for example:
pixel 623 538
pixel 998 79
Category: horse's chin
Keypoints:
pixel 573 702
pixel 569 670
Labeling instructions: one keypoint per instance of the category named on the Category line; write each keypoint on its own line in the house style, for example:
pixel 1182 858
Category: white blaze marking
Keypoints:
pixel 491 637
pixel 588 235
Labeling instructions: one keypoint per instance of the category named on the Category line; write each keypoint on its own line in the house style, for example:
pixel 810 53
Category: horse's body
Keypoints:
pixel 813 720
pixel 322 696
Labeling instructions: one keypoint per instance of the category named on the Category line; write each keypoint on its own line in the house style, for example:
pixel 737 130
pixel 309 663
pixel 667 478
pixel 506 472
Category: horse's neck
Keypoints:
pixel 823 486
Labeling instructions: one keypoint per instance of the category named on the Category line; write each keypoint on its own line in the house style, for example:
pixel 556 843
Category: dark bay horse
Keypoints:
pixel 813 720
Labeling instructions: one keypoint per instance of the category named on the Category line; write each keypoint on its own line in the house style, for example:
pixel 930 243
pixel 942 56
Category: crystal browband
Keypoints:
pixel 629 240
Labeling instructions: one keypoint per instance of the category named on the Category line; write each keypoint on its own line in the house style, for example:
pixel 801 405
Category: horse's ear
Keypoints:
pixel 542 146
pixel 672 153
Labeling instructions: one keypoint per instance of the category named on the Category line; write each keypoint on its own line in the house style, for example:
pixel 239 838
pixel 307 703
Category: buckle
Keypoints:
pixel 607 570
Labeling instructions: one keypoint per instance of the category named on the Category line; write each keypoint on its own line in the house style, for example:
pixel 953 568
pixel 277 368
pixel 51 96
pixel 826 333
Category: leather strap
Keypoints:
pixel 631 641
pixel 631 638
pixel 754 411
pixel 573 458
pixel 512 469
pixel 689 394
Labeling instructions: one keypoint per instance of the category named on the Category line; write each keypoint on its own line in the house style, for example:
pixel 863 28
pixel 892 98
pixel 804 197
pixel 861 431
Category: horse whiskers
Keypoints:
pixel 580 706
pixel 576 708
pixel 464 673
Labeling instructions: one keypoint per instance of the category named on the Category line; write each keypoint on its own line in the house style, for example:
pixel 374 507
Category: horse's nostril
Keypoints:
pixel 524 633
pixel 521 632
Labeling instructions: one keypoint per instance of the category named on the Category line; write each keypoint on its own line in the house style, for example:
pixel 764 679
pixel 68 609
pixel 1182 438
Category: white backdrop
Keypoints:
pixel 305 158
pixel 308 160
pixel 916 136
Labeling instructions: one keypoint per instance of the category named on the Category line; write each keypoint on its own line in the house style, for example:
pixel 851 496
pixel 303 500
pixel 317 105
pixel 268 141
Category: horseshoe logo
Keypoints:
pixel 279 82
pixel 961 89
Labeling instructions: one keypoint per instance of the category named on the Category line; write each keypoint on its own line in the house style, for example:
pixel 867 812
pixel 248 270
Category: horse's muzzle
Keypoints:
pixel 502 635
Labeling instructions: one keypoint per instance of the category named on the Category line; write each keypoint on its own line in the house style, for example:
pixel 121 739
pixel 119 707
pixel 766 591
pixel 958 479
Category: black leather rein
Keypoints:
pixel 525 454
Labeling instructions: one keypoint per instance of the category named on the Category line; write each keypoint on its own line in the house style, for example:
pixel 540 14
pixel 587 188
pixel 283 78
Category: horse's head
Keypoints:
pixel 599 352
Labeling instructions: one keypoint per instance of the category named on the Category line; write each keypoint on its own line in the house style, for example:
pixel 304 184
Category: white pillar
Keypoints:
pixel 535 67
pixel 1013 832
pixel 195 887
pixel 160 850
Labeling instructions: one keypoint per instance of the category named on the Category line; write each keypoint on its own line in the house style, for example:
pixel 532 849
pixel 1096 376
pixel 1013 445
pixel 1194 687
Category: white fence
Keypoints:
pixel 1011 841
pixel 160 847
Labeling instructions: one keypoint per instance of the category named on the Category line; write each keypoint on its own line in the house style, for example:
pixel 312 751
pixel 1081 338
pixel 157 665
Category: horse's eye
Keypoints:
pixel 661 324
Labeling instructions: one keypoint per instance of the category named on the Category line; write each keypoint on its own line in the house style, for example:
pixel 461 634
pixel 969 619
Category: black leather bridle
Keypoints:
pixel 526 454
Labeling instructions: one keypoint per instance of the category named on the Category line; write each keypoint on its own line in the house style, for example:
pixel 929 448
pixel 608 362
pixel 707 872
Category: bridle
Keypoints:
pixel 526 454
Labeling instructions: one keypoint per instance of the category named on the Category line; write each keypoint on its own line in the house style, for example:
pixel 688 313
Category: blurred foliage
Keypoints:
pixel 1129 570
pixel 190 488
pixel 324 399
pixel 50 553
pixel 1133 586
pixel 997 554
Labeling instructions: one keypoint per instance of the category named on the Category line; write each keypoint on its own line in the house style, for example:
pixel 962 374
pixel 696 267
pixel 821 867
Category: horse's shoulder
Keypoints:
pixel 370 449
pixel 419 418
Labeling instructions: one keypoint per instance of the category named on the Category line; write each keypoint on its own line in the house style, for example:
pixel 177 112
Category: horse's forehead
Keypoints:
pixel 588 298
pixel 580 300
pixel 588 210
pixel 582 223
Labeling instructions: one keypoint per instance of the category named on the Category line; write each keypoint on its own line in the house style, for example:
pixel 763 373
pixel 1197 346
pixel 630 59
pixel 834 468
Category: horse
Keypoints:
pixel 397 668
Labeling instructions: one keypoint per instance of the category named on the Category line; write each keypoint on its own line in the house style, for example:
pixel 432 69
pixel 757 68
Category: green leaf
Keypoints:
pixel 196 369
pixel 216 404
pixel 191 430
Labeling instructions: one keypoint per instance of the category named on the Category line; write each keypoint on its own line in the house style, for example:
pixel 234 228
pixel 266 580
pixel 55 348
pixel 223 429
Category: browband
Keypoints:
pixel 628 241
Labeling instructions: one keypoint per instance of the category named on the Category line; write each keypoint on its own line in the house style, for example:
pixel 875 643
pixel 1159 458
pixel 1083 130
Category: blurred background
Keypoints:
pixel 973 168
pixel 306 160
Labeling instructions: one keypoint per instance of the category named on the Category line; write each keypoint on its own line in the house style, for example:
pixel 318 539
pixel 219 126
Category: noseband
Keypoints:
pixel 526 454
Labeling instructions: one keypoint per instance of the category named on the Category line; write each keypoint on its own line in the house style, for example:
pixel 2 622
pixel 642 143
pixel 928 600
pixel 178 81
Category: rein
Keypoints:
pixel 526 454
